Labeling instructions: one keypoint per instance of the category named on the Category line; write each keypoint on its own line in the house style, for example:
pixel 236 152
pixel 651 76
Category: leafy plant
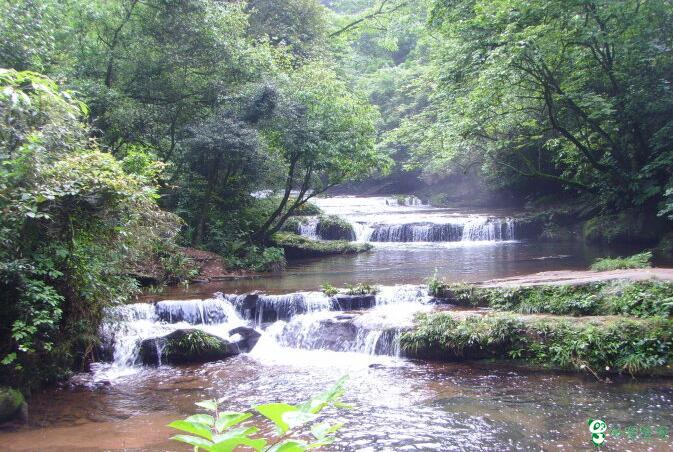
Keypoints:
pixel 329 290
pixel 221 431
pixel 361 289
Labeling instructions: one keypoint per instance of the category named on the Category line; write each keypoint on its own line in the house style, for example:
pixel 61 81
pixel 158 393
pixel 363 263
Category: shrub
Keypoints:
pixel 329 290
pixel 361 289
pixel 641 260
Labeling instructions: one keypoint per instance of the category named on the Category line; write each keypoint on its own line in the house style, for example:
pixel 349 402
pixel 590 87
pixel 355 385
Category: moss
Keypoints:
pixel 639 299
pixel 11 401
pixel 641 260
pixel 333 227
pixel 599 345
pixel 296 246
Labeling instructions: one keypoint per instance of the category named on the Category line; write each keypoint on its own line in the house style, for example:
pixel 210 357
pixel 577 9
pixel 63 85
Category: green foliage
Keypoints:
pixel 640 299
pixel 296 246
pixel 641 260
pixel 361 289
pixel 10 402
pixel 224 430
pixel 73 223
pixel 193 343
pixel 329 290
pixel 619 345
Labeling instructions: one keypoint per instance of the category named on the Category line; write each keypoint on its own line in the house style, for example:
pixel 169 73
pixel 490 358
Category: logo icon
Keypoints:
pixel 597 428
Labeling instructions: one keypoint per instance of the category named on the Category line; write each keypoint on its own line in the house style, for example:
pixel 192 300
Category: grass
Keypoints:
pixel 641 260
pixel 598 345
pixel 637 299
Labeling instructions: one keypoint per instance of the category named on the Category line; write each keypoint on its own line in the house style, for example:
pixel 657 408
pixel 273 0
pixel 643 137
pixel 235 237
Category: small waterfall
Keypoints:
pixel 414 232
pixel 197 312
pixel 405 293
pixel 271 308
pixel 490 229
pixel 309 229
pixel 125 327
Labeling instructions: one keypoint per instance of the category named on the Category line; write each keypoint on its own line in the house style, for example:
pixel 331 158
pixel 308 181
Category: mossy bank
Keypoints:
pixel 297 247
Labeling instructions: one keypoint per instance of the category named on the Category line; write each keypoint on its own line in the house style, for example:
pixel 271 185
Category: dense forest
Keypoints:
pixel 133 128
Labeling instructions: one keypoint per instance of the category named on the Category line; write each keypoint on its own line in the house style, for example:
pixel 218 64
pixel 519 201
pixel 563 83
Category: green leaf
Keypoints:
pixel 202 419
pixel 231 444
pixel 289 446
pixel 194 441
pixel 323 429
pixel 274 412
pixel 228 419
pixel 297 418
pixel 193 427
pixel 210 405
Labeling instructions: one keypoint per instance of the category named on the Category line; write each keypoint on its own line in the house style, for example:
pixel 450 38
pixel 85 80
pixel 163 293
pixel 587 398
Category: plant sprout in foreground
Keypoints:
pixel 221 431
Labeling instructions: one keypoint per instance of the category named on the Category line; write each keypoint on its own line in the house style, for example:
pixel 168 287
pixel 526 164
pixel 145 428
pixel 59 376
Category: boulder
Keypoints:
pixel 332 227
pixel 249 338
pixel 12 404
pixel 186 346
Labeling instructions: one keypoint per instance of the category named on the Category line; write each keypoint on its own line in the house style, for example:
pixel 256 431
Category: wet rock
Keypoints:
pixel 12 405
pixel 249 338
pixel 332 227
pixel 354 302
pixel 186 346
pixel 246 304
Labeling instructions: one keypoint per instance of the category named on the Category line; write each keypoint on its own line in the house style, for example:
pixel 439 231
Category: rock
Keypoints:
pixel 249 338
pixel 12 405
pixel 246 304
pixel 354 302
pixel 332 227
pixel 186 346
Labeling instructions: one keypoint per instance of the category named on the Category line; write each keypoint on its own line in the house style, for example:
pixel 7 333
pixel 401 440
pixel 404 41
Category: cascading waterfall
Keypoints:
pixel 302 320
pixel 491 229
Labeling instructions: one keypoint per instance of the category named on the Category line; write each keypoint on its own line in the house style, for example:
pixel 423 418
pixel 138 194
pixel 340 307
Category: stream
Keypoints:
pixel 309 340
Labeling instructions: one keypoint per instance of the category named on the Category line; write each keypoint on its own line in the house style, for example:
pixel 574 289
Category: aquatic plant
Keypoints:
pixel 641 260
pixel 222 431
pixel 361 289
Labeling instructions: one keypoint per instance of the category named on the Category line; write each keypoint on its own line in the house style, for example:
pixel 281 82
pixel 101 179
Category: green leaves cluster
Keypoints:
pixel 221 431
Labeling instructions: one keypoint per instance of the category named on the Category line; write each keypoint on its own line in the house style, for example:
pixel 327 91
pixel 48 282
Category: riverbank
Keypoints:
pixel 603 323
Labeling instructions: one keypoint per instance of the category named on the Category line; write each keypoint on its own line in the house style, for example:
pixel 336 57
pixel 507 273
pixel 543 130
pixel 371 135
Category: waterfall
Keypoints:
pixel 293 321
pixel 414 232
pixel 309 228
pixel 490 229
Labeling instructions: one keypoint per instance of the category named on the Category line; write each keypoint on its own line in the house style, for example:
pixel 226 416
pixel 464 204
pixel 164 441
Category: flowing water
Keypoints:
pixel 309 340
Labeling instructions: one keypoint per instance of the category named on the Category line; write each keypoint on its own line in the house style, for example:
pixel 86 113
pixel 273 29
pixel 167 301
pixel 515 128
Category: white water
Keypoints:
pixel 306 326
pixel 386 220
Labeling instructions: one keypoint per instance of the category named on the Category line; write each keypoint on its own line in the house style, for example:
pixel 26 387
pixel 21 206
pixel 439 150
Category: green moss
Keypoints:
pixel 600 345
pixel 296 246
pixel 641 260
pixel 333 227
pixel 307 209
pixel 10 403
pixel 639 299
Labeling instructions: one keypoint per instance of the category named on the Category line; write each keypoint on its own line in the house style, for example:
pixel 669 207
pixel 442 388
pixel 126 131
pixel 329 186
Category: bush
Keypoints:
pixel 297 247
pixel 626 227
pixel 361 289
pixel 641 260
pixel 329 290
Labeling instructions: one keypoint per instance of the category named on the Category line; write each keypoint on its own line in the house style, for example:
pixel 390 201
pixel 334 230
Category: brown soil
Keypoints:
pixel 211 265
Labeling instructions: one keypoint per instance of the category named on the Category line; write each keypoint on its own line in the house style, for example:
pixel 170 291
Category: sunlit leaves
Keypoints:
pixel 216 432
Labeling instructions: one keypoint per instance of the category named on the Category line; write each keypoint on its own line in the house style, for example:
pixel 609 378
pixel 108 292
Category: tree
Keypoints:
pixel 73 220
pixel 324 135
pixel 572 92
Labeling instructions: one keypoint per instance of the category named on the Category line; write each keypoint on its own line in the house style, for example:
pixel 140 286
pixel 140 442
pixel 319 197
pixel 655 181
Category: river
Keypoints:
pixel 308 342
